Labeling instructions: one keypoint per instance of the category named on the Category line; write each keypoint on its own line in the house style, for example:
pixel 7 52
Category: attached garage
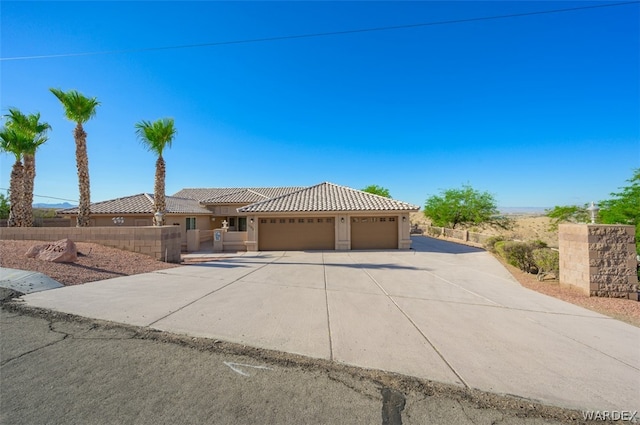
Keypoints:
pixel 374 232
pixel 327 217
pixel 296 234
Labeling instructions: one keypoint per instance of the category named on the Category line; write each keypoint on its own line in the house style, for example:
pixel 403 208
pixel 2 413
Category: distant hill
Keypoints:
pixel 522 210
pixel 63 205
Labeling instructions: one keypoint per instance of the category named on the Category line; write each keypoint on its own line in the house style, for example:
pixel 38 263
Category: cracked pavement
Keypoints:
pixel 58 369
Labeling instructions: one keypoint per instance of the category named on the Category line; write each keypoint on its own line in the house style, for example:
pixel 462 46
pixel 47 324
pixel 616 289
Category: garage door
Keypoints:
pixel 374 233
pixel 296 234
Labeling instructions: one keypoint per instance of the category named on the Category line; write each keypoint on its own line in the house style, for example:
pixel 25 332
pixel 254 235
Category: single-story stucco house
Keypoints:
pixel 321 217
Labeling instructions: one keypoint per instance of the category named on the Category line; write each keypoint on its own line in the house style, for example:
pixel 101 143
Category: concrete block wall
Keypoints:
pixel 599 259
pixel 162 243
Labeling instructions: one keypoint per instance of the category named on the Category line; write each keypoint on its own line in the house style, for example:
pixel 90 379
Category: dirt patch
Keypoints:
pixel 95 262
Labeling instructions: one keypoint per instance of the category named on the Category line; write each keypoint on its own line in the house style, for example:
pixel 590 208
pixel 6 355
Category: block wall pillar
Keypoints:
pixel 600 259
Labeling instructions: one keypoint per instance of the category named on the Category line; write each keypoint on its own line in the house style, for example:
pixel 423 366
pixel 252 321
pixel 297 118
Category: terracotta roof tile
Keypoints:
pixel 204 194
pixel 143 204
pixel 328 197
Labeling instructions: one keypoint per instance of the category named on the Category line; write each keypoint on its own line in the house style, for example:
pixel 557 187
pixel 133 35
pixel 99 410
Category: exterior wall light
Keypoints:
pixel 404 219
pixel 159 218
pixel 593 210
pixel 341 219
pixel 251 220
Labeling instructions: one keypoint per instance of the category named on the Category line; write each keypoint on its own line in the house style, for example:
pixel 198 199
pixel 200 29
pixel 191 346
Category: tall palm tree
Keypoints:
pixel 13 142
pixel 35 132
pixel 80 109
pixel 155 136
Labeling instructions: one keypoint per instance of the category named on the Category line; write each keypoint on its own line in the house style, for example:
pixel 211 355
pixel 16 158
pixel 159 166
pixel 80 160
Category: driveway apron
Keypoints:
pixel 441 311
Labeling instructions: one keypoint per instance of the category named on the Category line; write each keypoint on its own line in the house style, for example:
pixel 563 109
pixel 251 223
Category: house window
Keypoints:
pixel 301 220
pixel 292 220
pixel 309 220
pixel 242 224
pixel 191 223
pixel 273 220
pixel 263 220
pixel 392 219
pixel 383 219
pixel 320 220
pixel 329 220
pixel 282 221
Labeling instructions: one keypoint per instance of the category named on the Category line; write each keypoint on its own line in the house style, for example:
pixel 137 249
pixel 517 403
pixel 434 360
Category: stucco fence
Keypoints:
pixel 162 243
pixel 471 238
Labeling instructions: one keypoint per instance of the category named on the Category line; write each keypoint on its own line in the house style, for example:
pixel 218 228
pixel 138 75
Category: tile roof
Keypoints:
pixel 328 197
pixel 205 194
pixel 244 196
pixel 143 204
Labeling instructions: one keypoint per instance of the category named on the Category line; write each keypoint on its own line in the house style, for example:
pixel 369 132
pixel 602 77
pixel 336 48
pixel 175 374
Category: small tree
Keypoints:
pixel 4 207
pixel 624 207
pixel 377 190
pixel 567 214
pixel 461 206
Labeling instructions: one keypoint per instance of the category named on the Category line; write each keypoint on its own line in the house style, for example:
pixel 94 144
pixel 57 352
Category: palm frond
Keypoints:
pixel 77 108
pixel 157 135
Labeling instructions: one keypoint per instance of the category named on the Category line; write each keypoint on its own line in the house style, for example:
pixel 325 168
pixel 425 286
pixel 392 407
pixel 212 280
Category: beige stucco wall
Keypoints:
pixel 203 222
pixel 599 259
pixel 161 243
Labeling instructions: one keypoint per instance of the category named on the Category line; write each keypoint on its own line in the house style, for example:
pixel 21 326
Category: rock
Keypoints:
pixel 34 251
pixel 62 251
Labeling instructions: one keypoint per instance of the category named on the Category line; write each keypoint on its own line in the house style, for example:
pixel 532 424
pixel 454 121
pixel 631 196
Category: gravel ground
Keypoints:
pixel 100 262
pixel 97 262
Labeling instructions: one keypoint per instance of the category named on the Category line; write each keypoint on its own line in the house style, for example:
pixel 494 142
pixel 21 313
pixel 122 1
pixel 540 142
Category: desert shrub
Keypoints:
pixel 520 255
pixel 490 244
pixel 547 261
pixel 499 248
pixel 537 244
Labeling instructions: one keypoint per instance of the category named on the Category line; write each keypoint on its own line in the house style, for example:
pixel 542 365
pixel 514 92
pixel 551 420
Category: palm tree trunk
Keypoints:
pixel 27 195
pixel 158 189
pixel 15 195
pixel 82 163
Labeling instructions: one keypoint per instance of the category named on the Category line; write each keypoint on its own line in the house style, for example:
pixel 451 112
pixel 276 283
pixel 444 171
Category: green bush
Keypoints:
pixel 490 244
pixel 498 248
pixel 520 255
pixel 547 261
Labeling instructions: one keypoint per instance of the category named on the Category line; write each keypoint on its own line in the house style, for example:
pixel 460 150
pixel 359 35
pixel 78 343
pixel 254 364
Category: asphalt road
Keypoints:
pixel 59 369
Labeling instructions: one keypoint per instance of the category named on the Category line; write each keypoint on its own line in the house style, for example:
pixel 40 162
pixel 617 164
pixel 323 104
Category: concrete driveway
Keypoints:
pixel 441 311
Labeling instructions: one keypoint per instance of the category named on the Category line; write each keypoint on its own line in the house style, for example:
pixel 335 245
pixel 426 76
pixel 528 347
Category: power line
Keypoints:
pixel 48 197
pixel 319 34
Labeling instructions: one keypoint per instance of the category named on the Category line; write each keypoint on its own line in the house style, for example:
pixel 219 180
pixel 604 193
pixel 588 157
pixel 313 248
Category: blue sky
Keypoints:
pixel 539 110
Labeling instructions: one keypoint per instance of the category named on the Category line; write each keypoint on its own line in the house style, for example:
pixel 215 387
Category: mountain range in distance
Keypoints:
pixel 523 210
pixel 61 206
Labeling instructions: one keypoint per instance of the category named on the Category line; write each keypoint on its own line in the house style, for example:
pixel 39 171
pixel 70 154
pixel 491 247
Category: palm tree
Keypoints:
pixel 80 109
pixel 35 133
pixel 13 141
pixel 156 136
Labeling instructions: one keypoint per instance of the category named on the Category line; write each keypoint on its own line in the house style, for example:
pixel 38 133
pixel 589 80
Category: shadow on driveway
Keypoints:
pixel 429 244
